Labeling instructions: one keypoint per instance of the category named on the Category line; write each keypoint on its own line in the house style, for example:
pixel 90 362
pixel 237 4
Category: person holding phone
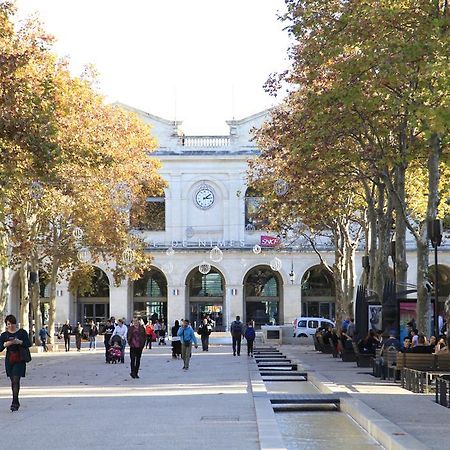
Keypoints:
pixel 13 340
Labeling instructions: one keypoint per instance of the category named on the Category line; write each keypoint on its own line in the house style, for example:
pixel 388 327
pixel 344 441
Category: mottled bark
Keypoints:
pixel 384 221
pixel 24 309
pixel 401 265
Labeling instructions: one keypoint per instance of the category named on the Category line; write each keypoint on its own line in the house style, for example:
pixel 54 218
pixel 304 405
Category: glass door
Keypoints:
pixel 200 310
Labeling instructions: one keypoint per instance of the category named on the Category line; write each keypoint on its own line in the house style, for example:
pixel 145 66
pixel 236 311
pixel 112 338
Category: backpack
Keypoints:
pixel 236 328
pixel 250 334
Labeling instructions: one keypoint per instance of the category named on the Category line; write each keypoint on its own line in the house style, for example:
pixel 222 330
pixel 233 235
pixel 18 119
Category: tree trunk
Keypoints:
pixel 401 265
pixel 52 300
pixel 24 297
pixel 35 300
pixel 4 285
pixel 423 293
pixel 384 220
pixel 371 239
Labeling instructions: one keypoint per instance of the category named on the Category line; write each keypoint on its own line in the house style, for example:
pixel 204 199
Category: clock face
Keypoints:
pixel 204 198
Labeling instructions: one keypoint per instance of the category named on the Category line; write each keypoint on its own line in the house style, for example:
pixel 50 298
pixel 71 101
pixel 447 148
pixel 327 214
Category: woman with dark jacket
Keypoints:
pixel 14 340
pixel 136 339
pixel 176 342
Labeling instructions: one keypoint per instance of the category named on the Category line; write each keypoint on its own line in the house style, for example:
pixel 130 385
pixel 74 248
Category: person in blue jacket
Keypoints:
pixel 187 338
pixel 14 340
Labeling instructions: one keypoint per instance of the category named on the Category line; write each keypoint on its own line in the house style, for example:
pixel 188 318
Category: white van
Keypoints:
pixel 307 326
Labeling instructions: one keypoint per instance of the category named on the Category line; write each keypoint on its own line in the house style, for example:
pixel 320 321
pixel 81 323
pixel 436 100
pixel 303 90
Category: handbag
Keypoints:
pixel 14 357
pixel 25 355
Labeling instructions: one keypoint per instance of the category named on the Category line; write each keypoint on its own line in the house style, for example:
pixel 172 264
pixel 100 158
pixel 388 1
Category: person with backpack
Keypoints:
pixel 250 337
pixel 204 330
pixel 187 337
pixel 237 330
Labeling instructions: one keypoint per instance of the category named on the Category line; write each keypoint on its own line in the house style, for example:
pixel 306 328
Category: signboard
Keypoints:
pixel 269 241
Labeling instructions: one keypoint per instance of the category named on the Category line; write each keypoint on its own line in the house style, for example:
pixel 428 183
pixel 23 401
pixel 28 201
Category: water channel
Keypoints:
pixel 313 427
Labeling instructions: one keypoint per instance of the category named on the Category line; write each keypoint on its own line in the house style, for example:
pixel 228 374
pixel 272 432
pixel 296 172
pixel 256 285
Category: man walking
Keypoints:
pixel 204 330
pixel 237 329
pixel 43 334
pixel 66 331
pixel 187 337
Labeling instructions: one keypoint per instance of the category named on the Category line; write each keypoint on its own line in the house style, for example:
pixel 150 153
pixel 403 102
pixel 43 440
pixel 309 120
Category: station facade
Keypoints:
pixel 207 204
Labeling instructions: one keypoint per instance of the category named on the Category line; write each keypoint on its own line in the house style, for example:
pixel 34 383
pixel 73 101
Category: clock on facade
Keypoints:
pixel 204 197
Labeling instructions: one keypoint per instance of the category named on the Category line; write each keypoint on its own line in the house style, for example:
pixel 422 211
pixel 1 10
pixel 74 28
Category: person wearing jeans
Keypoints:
pixel 136 338
pixel 204 330
pixel 93 331
pixel 187 337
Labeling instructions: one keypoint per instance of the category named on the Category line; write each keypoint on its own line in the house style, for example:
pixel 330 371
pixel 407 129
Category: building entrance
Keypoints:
pixel 206 292
pixel 200 310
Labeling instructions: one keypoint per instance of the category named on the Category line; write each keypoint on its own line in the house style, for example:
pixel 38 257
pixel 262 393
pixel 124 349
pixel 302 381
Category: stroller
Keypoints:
pixel 115 351
pixel 162 336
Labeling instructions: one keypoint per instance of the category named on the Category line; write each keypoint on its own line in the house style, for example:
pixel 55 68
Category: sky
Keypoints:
pixel 198 61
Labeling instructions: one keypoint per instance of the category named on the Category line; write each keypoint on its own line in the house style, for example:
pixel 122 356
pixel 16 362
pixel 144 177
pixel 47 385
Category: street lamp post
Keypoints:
pixel 435 236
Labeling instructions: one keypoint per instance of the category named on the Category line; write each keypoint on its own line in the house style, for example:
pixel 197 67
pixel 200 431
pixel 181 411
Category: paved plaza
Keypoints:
pixel 76 401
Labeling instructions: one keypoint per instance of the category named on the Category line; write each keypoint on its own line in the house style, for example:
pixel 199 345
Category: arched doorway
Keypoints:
pixel 318 293
pixel 205 293
pixel 262 296
pixel 93 298
pixel 150 296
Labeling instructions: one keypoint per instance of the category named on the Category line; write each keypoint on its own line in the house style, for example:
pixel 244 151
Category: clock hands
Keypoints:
pixel 208 196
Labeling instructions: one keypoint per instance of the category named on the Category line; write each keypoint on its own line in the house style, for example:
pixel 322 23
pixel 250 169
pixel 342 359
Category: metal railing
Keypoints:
pixel 443 391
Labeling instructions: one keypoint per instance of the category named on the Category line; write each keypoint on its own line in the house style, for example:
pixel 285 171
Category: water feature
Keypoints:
pixel 313 427
pixel 313 430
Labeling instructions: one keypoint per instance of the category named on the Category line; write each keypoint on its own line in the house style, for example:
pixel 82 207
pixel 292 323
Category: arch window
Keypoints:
pixel 318 293
pixel 152 284
pixel 150 296
pixel 150 214
pixel 206 294
pixel 253 201
pixel 209 285
pixel 262 296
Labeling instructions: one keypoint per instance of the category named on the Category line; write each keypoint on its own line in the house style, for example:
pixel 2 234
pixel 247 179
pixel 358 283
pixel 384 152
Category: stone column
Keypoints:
pixel 119 301
pixel 291 303
pixel 64 309
pixel 176 304
pixel 234 303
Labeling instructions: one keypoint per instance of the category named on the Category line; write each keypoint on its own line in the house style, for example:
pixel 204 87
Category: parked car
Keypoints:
pixel 307 326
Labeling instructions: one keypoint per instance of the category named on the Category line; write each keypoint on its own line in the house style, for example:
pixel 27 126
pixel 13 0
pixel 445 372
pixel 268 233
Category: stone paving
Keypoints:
pixel 416 414
pixel 74 400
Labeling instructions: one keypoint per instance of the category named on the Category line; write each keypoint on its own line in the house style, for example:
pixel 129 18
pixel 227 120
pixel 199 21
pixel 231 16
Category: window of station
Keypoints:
pixel 209 285
pixel 149 215
pixel 253 200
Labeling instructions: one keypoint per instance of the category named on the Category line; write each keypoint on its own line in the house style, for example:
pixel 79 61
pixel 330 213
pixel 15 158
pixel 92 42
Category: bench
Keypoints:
pixel 347 352
pixel 418 361
pixel 443 362
pixel 362 359
pixel 316 343
pixel 324 348
pixel 422 377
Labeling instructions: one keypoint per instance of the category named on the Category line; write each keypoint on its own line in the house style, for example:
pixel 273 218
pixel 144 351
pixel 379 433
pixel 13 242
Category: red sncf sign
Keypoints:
pixel 269 241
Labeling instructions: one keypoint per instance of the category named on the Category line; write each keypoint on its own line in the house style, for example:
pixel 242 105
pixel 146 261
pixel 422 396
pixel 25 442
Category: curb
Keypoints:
pixel 268 432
